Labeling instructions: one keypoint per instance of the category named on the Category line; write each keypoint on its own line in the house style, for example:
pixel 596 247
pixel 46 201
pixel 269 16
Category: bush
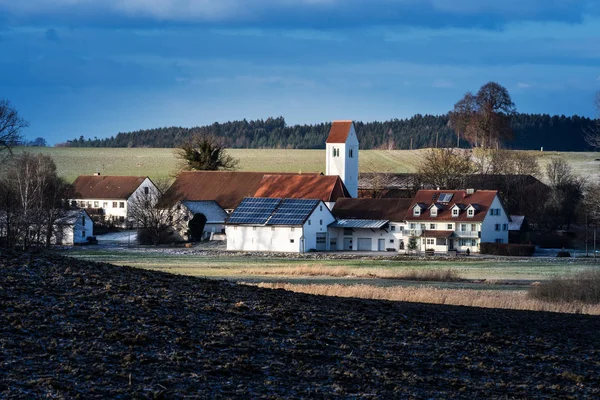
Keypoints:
pixel 507 249
pixel 583 287
pixel 563 254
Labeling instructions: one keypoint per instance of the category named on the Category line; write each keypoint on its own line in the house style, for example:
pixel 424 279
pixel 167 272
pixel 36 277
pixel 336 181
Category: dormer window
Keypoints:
pixel 470 212
pixel 455 212
pixel 417 211
pixel 434 211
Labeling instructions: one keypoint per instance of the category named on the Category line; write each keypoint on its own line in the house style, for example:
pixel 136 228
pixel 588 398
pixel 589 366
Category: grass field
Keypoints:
pixel 162 163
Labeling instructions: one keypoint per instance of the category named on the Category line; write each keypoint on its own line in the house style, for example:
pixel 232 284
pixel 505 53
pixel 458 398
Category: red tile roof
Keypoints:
pixel 389 209
pixel 339 132
pixel 326 188
pixel 481 199
pixel 106 187
pixel 228 188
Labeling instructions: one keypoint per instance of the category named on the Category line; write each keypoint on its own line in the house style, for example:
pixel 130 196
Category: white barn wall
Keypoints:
pixel 488 232
pixel 397 236
pixel 319 221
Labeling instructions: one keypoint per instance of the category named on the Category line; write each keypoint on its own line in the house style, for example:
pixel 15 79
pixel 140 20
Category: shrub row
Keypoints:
pixel 507 249
pixel 583 287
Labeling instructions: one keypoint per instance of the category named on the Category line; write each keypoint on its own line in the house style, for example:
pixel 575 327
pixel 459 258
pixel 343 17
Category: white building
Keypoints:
pixel 461 220
pixel 369 225
pixel 191 216
pixel 342 154
pixel 274 224
pixel 108 198
pixel 73 228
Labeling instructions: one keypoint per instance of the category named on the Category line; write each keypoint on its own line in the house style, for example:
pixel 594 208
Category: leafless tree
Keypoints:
pixel 10 126
pixel 153 219
pixel 592 136
pixel 445 168
pixel 484 118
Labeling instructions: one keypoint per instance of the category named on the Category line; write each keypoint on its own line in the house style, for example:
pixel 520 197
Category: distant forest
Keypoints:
pixel 531 132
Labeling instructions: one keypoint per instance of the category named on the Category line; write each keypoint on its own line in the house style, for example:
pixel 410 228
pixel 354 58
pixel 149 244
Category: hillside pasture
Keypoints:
pixel 163 164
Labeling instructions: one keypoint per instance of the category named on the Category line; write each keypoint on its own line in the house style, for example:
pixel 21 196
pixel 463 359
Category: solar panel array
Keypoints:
pixel 292 212
pixel 253 211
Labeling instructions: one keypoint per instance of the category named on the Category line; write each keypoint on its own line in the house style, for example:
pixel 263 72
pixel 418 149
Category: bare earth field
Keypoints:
pixel 73 328
pixel 162 163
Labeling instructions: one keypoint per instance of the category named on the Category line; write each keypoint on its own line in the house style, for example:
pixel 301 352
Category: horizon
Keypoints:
pixel 77 67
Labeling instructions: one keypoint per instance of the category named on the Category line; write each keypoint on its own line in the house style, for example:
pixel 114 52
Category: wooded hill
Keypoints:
pixel 531 131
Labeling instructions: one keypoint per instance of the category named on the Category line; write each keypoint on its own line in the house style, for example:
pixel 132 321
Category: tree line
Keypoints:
pixel 530 132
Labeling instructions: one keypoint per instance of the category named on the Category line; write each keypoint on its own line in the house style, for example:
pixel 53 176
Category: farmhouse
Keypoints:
pixel 275 224
pixel 369 224
pixel 460 220
pixel 73 228
pixel 108 198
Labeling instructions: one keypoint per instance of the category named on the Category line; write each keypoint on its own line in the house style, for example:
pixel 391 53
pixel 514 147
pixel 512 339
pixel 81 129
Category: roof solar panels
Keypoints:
pixel 253 211
pixel 445 197
pixel 292 212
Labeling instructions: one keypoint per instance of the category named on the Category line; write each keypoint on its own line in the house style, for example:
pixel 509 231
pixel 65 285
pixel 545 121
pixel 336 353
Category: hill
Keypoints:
pixel 79 329
pixel 532 131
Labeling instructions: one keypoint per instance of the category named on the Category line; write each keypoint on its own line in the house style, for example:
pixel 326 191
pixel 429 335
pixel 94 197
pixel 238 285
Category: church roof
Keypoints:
pixel 339 132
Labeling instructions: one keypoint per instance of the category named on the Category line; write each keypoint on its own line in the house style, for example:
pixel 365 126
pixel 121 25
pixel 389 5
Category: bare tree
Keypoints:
pixel 484 119
pixel 592 136
pixel 445 168
pixel 10 126
pixel 205 153
pixel 567 189
pixel 152 219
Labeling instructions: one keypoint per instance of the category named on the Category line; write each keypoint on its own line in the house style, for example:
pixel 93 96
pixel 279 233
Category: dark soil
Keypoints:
pixel 73 329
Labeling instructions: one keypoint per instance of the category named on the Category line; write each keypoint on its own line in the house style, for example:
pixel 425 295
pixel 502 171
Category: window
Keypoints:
pixel 470 212
pixel 497 227
pixel 96 204
pixel 291 240
pixel 321 208
pixel 499 240
pixel 401 228
pixel 473 228
pixel 473 242
pixel 504 227
pixel 333 154
pixel 423 227
pixel 105 204
pixel 450 226
pixel 320 222
pixel 122 204
pixel 121 219
pixel 432 226
pixel 430 241
pixel 350 153
pixel 73 203
pixel 391 240
pixel 392 227
pixel 463 227
pixel 321 239
pixel 417 211
pixel 88 204
pixel 146 190
pixel 309 222
pixel 462 242
pixel 413 225
pixel 82 234
pixel 434 211
pixel 455 212
pixel 333 243
pixel 115 204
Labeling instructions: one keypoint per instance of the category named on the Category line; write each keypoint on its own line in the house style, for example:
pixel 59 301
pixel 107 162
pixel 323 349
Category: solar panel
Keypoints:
pixel 253 210
pixel 445 197
pixel 292 212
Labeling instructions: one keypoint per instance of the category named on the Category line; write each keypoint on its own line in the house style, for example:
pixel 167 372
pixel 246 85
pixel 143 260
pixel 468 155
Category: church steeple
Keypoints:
pixel 342 154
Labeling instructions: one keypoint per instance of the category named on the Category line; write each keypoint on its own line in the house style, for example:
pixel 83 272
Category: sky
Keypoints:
pixel 99 67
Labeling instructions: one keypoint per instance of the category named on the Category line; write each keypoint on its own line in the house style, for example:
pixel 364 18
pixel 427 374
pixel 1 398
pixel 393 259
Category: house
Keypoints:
pixel 108 198
pixel 73 228
pixel 342 154
pixel 518 229
pixel 275 224
pixel 196 220
pixel 369 225
pixel 460 220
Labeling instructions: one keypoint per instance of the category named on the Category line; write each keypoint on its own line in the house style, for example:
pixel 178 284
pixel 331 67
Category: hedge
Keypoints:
pixel 507 249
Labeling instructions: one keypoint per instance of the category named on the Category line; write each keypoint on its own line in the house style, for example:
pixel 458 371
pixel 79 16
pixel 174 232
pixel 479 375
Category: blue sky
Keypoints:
pixel 98 67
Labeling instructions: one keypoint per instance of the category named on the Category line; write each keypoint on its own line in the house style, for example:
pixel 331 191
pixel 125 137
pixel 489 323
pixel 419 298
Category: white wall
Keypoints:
pixel 317 223
pixel 76 233
pixel 488 228
pixel 397 236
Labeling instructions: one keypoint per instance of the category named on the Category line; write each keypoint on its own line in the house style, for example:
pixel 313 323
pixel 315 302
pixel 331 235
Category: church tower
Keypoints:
pixel 342 154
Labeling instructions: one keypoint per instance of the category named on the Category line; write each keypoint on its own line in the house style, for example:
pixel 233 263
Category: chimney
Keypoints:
pixel 470 191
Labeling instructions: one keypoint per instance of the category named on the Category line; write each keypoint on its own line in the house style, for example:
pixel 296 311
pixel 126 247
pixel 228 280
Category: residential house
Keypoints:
pixel 275 224
pixel 107 199
pixel 459 220
pixel 74 227
pixel 369 225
